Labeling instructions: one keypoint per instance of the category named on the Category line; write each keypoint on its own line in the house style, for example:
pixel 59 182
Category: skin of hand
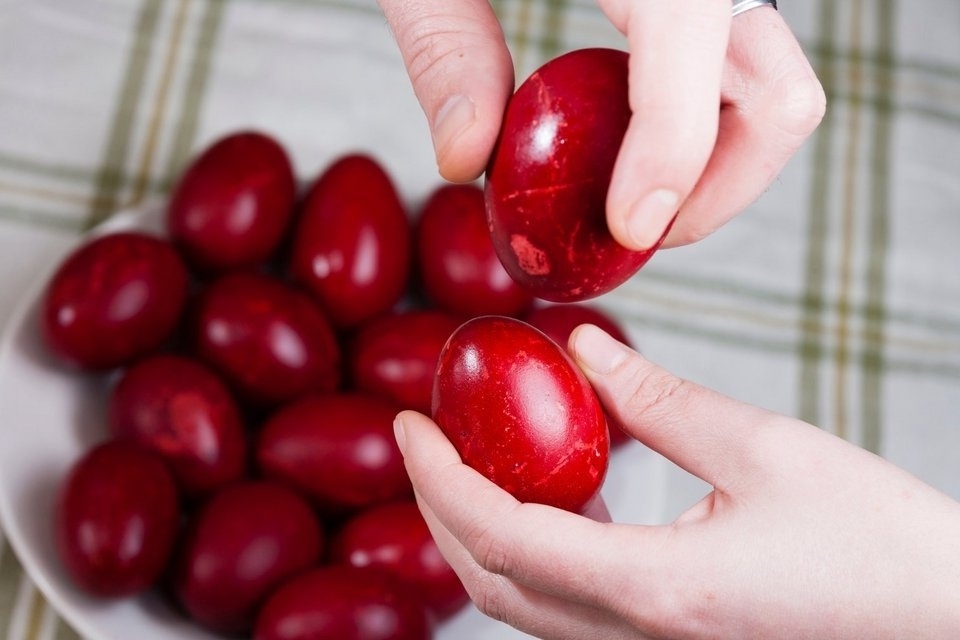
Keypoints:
pixel 720 105
pixel 804 535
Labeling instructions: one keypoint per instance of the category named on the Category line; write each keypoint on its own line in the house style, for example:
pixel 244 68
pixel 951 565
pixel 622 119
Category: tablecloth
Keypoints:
pixel 834 298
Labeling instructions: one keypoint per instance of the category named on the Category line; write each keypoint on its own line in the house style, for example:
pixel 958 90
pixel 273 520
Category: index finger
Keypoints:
pixel 462 74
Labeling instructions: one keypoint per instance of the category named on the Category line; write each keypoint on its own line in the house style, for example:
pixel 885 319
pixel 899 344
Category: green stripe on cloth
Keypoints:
pixel 10 576
pixel 550 43
pixel 66 173
pixel 811 329
pixel 64 631
pixel 108 181
pixel 872 356
pixel 196 89
pixel 154 124
pixel 39 218
pixel 845 268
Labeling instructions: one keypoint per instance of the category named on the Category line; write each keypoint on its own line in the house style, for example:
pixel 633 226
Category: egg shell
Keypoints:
pixel 547 179
pixel 519 411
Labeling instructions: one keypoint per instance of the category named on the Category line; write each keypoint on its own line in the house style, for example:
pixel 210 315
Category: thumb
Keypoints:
pixel 708 434
pixel 462 74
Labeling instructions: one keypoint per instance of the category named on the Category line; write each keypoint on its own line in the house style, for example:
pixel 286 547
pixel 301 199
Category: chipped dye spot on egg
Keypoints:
pixel 531 259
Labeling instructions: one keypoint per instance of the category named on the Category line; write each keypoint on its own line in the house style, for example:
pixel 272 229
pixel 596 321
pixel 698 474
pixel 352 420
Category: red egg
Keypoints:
pixel 559 320
pixel 181 410
pixel 113 299
pixel 519 411
pixel 394 537
pixel 458 267
pixel 246 540
pixel 396 355
pixel 547 180
pixel 233 203
pixel 351 244
pixel 117 517
pixel 338 449
pixel 269 341
pixel 343 603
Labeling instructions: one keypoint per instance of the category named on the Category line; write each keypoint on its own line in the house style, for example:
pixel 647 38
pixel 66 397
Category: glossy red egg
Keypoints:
pixel 519 411
pixel 116 520
pixel 351 245
pixel 458 267
pixel 547 180
pixel 338 449
pixel 559 320
pixel 396 355
pixel 269 341
pixel 115 298
pixel 246 540
pixel 343 603
pixel 232 205
pixel 181 410
pixel 394 537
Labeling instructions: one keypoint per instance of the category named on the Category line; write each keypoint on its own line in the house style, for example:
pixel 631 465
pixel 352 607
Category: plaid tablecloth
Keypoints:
pixel 835 298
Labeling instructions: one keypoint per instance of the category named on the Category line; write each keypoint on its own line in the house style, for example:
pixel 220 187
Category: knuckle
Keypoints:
pixel 804 105
pixel 655 392
pixel 487 548
pixel 797 97
pixel 488 597
pixel 434 41
pixel 427 46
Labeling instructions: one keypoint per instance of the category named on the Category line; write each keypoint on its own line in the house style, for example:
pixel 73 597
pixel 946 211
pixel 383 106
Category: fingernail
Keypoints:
pixel 399 433
pixel 650 216
pixel 452 119
pixel 598 351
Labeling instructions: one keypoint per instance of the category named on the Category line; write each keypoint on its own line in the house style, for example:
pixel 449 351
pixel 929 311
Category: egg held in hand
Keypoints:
pixel 546 183
pixel 519 411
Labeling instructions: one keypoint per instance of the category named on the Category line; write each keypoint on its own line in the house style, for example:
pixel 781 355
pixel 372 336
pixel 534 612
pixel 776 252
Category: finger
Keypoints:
pixel 772 103
pixel 704 432
pixel 461 72
pixel 676 63
pixel 549 550
pixel 531 611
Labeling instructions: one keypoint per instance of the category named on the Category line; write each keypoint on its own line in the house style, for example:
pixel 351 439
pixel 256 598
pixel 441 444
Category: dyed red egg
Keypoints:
pixel 458 267
pixel 519 411
pixel 394 537
pixel 337 449
pixel 181 410
pixel 547 180
pixel 113 299
pixel 351 245
pixel 269 341
pixel 559 320
pixel 396 355
pixel 343 603
pixel 231 207
pixel 117 518
pixel 246 540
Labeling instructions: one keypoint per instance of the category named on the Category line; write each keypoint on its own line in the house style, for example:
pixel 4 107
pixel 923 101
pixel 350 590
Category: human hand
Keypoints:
pixel 804 535
pixel 719 105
